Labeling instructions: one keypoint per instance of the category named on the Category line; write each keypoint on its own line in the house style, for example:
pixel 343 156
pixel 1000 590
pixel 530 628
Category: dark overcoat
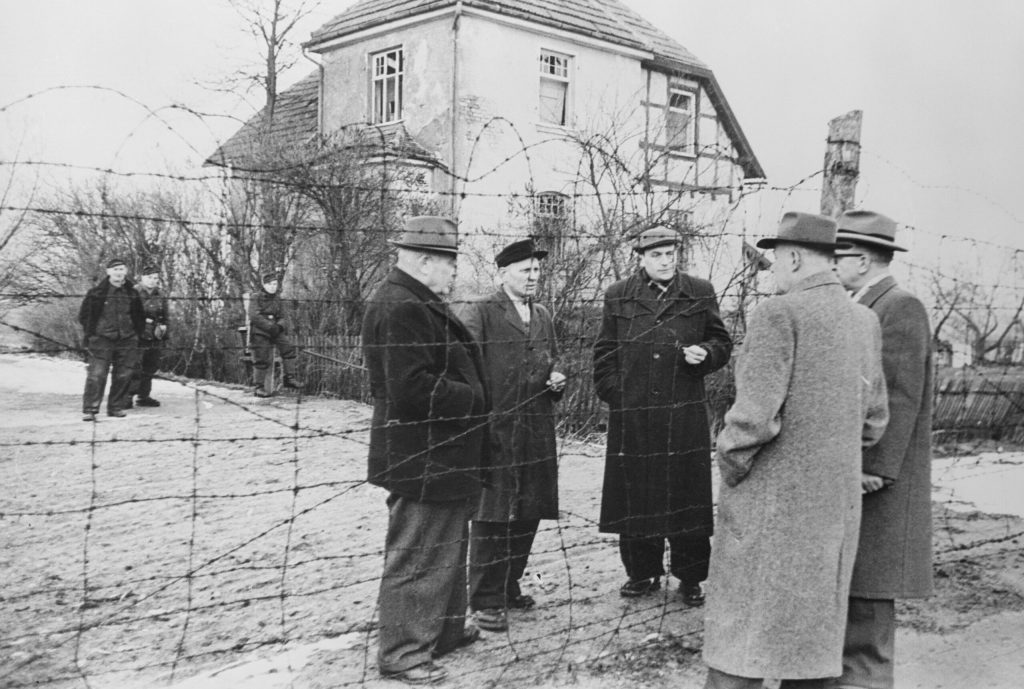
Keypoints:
pixel 429 401
pixel 894 559
pixel 657 477
pixel 518 359
pixel 91 310
pixel 809 393
pixel 269 316
pixel 154 305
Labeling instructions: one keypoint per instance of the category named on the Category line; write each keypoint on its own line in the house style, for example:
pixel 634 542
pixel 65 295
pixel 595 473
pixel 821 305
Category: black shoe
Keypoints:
pixel 634 588
pixel 89 416
pixel 260 392
pixel 147 402
pixel 427 673
pixel 692 595
pixel 117 413
pixel 294 383
pixel 491 619
pixel 521 602
pixel 129 404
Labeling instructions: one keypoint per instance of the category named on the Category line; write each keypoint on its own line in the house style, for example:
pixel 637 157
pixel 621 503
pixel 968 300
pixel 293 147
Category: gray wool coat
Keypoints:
pixel 518 359
pixel 809 393
pixel 894 559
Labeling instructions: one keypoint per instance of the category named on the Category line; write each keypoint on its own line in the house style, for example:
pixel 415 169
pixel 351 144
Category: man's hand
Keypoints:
pixel 869 483
pixel 694 354
pixel 159 330
pixel 556 381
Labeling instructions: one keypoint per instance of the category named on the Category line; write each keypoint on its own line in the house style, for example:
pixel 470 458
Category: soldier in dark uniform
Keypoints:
pixel 271 328
pixel 153 336
pixel 112 319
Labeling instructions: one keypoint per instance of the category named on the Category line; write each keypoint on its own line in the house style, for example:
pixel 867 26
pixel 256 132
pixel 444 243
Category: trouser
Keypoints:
pixel 869 648
pixel 723 680
pixel 149 363
pixel 423 588
pixel 498 552
pixel 263 358
pixel 643 556
pixel 119 358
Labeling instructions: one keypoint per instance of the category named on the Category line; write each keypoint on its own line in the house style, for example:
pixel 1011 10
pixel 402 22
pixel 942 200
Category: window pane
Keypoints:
pixel 677 129
pixel 552 101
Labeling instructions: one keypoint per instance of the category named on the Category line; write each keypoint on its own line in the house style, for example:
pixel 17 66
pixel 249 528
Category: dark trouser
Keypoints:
pixel 263 358
pixel 722 680
pixel 119 358
pixel 498 552
pixel 643 556
pixel 149 363
pixel 870 644
pixel 423 588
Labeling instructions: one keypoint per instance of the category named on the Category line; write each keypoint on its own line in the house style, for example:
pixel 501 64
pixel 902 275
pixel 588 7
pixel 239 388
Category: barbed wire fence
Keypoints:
pixel 143 551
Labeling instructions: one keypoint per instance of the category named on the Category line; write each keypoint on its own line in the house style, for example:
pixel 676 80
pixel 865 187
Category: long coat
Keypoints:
pixel 518 360
pixel 657 476
pixel 894 559
pixel 429 401
pixel 809 393
pixel 91 310
pixel 154 305
pixel 269 316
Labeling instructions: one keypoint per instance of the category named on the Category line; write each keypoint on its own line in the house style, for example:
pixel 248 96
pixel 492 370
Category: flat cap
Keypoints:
pixel 869 228
pixel 518 251
pixel 805 229
pixel 430 233
pixel 270 276
pixel 149 269
pixel 114 262
pixel 655 237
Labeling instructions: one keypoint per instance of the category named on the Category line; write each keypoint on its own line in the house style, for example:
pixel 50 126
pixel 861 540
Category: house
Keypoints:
pixel 574 119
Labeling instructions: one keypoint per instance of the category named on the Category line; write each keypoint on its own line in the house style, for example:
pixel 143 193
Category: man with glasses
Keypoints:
pixel 894 559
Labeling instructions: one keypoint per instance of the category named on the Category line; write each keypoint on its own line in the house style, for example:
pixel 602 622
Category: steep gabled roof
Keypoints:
pixel 295 126
pixel 607 20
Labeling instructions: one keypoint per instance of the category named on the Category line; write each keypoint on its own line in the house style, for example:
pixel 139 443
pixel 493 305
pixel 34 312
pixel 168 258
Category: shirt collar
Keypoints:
pixel 868 285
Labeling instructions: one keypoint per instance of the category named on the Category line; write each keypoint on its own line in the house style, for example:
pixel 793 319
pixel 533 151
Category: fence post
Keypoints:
pixel 842 164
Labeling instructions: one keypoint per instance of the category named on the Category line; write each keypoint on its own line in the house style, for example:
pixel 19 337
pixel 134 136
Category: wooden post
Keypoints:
pixel 842 164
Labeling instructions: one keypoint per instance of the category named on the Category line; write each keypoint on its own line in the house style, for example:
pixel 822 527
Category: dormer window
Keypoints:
pixel 388 74
pixel 554 87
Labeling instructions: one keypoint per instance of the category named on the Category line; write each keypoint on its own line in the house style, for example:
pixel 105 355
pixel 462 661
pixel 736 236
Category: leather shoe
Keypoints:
pixel 491 619
pixel 634 588
pixel 693 595
pixel 117 413
pixel 521 602
pixel 426 673
pixel 147 402
pixel 260 392
pixel 89 416
pixel 294 383
pixel 470 634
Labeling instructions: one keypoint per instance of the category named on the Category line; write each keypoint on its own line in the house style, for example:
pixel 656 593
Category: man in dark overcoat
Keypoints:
pixel 427 449
pixel 517 337
pixel 112 320
pixel 894 558
pixel 809 394
pixel 153 336
pixel 272 328
pixel 661 334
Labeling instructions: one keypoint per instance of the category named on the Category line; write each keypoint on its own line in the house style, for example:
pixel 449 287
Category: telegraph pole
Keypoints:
pixel 842 164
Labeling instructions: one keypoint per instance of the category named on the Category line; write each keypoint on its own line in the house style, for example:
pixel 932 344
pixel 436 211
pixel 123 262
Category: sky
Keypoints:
pixel 939 82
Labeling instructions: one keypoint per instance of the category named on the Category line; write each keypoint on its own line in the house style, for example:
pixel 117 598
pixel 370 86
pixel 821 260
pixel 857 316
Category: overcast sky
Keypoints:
pixel 940 83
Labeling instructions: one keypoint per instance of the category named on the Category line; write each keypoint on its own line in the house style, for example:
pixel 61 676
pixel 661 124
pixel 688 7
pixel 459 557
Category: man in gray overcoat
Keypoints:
pixel 661 334
pixel 427 449
pixel 809 394
pixel 894 559
pixel 517 338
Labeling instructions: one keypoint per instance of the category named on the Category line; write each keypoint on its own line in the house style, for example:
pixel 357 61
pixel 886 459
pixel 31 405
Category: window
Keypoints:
pixel 554 87
pixel 388 74
pixel 551 221
pixel 550 205
pixel 679 130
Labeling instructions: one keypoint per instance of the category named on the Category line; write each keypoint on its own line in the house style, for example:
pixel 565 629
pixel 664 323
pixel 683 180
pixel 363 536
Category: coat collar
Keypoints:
pixel 399 277
pixel 511 313
pixel 878 289
pixel 824 278
pixel 639 290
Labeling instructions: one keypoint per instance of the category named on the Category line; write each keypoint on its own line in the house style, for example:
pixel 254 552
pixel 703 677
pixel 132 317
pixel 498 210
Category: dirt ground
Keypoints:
pixel 224 541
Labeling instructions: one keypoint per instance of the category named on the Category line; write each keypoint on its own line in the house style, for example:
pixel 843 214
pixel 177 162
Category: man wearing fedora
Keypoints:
pixel 427 449
pixel 894 559
pixel 661 334
pixel 517 338
pixel 272 328
pixel 112 320
pixel 810 393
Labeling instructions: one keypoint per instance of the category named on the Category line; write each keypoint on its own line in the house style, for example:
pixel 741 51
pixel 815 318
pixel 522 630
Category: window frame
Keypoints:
pixel 379 86
pixel 689 145
pixel 549 73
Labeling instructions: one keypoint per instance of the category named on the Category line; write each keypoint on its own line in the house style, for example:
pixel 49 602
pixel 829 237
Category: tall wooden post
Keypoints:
pixel 842 164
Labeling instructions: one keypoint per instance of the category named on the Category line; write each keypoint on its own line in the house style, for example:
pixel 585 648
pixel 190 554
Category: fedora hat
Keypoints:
pixel 430 233
pixel 868 228
pixel 655 237
pixel 805 229
pixel 518 251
